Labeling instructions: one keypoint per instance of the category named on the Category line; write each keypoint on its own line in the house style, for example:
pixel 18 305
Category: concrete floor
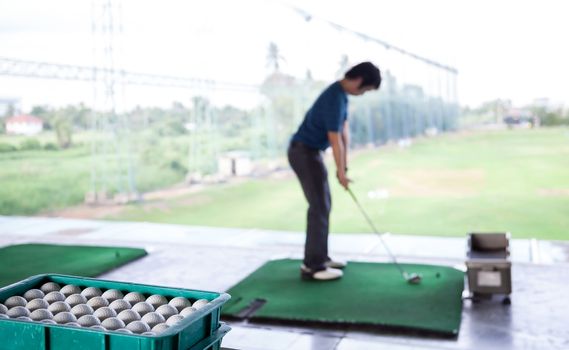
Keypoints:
pixel 215 259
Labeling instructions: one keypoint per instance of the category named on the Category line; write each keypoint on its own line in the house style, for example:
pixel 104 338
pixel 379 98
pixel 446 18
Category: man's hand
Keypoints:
pixel 343 179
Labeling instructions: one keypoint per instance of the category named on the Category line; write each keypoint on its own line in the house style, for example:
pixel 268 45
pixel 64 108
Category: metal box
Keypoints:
pixel 200 330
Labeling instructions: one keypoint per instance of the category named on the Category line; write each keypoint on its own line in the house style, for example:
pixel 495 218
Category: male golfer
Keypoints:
pixel 326 124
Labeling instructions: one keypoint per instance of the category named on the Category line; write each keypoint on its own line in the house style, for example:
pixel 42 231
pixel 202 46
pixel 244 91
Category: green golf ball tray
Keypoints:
pixel 200 330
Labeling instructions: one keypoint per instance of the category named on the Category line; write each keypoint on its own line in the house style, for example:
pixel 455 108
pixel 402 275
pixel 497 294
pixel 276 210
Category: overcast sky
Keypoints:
pixel 502 49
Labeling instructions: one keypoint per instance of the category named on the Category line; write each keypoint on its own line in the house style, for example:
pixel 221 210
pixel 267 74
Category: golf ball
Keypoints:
pixel 143 308
pixel 50 287
pixel 24 318
pixel 128 316
pixel 167 311
pixel 48 321
pixel 97 302
pixel 64 317
pixel 172 320
pixel 82 310
pixel 18 311
pixel 88 321
pixel 3 316
pixel 120 305
pixel 73 324
pixel 187 311
pixel 124 330
pixel 153 318
pixel 54 296
pixel 91 292
pixel 37 304
pixel 15 301
pixel 134 297
pixel 59 306
pixel 138 327
pixel 99 327
pixel 112 295
pixel 104 312
pixel 157 300
pixel 159 328
pixel 3 309
pixel 33 294
pixel 41 314
pixel 112 324
pixel 70 289
pixel 180 303
pixel 198 304
pixel 149 333
pixel 75 299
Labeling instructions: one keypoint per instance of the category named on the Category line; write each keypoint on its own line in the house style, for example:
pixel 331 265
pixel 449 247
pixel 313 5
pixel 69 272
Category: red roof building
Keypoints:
pixel 24 125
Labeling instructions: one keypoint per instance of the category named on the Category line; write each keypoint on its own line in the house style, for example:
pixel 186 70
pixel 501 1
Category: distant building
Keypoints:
pixel 24 125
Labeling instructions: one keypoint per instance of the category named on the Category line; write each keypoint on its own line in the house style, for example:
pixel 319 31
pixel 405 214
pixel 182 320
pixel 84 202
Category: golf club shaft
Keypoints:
pixel 377 233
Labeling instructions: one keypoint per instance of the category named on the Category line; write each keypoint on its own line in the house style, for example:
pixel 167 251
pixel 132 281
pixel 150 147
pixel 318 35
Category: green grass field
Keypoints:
pixel 511 180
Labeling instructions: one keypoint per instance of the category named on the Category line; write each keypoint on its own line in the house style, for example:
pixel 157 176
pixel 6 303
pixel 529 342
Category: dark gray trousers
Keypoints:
pixel 309 167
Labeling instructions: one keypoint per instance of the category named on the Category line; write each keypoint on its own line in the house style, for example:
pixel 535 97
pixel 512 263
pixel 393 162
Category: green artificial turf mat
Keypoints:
pixel 19 262
pixel 370 294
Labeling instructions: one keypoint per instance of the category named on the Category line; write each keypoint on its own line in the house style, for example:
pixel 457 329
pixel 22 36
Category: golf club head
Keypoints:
pixel 413 278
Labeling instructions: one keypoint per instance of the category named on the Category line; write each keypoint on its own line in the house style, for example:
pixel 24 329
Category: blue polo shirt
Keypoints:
pixel 328 113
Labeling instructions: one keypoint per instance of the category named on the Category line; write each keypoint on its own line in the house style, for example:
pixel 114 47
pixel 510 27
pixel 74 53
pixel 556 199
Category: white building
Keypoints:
pixel 24 125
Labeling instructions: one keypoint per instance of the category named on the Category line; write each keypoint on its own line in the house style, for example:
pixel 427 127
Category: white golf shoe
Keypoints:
pixel 327 274
pixel 335 264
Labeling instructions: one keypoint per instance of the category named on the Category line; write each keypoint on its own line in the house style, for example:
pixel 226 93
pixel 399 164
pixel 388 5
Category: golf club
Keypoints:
pixel 412 278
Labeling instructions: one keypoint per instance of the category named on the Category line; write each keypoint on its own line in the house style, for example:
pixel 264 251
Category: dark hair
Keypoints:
pixel 370 74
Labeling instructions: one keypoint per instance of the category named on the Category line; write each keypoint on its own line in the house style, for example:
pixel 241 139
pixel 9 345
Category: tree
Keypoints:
pixel 63 131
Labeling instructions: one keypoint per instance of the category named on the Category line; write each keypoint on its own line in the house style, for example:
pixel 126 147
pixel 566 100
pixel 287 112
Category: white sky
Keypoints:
pixel 502 49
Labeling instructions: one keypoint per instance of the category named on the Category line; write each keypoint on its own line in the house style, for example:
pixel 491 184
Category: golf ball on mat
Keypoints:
pixel 18 311
pixel 59 306
pixel 33 294
pixel 112 295
pixel 172 320
pixel 134 297
pixel 41 314
pixel 70 289
pixel 153 318
pixel 64 317
pixel 198 304
pixel 180 303
pixel 3 309
pixel 143 308
pixel 75 299
pixel 128 316
pixel 82 310
pixel 159 328
pixel 88 321
pixel 120 305
pixel 104 313
pixel 167 311
pixel 50 287
pixel 187 311
pixel 97 302
pixel 54 296
pixel 37 304
pixel 91 292
pixel 112 324
pixel 157 300
pixel 138 327
pixel 15 301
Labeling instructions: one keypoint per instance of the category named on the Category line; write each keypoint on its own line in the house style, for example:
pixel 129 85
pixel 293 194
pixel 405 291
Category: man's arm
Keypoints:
pixel 337 143
pixel 346 140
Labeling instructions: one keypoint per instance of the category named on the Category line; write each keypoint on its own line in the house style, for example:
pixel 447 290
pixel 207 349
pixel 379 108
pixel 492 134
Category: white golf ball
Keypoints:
pixel 198 304
pixel 4 316
pixel 120 305
pixel 143 308
pixel 64 317
pixel 124 330
pixel 157 300
pixel 73 324
pixel 54 296
pixel 70 289
pixel 153 318
pixel 98 327
pixel 149 333
pixel 15 301
pixel 59 306
pixel 159 328
pixel 82 310
pixel 128 316
pixel 91 292
pixel 138 327
pixel 3 309
pixel 112 295
pixel 24 318
pixel 48 321
pixel 18 311
pixel 180 303
pixel 134 297
pixel 97 302
pixel 50 287
pixel 188 311
pixel 37 304
pixel 88 321
pixel 112 324
pixel 172 320
pixel 75 299
pixel 33 294
pixel 41 314
pixel 167 311
pixel 104 312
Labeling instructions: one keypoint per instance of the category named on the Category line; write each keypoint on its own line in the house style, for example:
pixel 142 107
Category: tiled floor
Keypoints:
pixel 215 259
